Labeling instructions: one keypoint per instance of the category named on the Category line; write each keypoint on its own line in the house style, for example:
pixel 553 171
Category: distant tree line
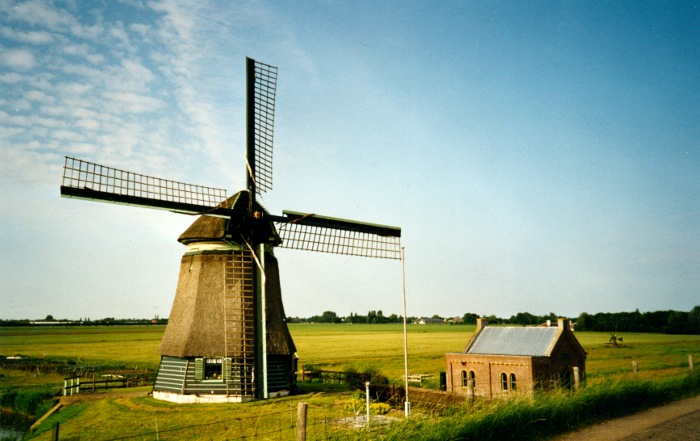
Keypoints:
pixel 372 317
pixel 108 321
pixel 664 322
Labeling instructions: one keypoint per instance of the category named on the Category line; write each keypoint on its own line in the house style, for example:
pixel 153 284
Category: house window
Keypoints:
pixel 512 381
pixel 472 378
pixel 504 381
pixel 464 378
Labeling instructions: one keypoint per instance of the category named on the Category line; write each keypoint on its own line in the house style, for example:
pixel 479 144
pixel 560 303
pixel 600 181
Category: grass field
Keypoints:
pixel 328 347
pixel 339 347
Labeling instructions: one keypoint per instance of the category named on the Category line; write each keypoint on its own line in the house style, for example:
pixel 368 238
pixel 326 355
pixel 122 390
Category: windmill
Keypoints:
pixel 226 338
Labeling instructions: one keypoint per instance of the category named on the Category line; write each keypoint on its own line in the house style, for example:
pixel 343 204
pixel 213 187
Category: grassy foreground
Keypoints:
pixel 543 416
pixel 548 414
pixel 612 389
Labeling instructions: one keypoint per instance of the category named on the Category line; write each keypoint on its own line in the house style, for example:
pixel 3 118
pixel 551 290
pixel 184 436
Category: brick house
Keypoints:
pixel 503 361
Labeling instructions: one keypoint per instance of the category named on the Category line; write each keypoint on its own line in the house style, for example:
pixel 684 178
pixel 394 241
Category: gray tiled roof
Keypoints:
pixel 513 341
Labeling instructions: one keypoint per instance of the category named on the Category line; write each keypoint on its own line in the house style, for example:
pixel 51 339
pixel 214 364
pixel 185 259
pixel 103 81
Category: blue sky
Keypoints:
pixel 539 156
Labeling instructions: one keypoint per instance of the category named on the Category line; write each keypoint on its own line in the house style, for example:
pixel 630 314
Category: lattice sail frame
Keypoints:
pixel 311 232
pixel 339 241
pixel 264 108
pixel 95 181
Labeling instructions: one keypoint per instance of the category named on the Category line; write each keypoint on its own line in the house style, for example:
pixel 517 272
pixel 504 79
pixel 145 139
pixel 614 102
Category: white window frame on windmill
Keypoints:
pixel 212 369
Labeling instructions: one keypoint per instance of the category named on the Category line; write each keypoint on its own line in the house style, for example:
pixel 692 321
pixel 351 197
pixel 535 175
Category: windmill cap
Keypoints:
pixel 235 229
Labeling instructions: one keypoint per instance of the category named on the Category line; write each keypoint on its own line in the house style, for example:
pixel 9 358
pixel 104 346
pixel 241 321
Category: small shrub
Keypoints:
pixel 356 403
pixel 379 408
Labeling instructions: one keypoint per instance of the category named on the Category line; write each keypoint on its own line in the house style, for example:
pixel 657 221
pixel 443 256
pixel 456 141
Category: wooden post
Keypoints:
pixel 635 369
pixel 691 365
pixel 55 432
pixel 301 421
pixel 577 378
pixel 470 391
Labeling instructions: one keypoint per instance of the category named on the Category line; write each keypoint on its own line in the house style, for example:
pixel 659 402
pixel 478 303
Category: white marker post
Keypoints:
pixel 407 404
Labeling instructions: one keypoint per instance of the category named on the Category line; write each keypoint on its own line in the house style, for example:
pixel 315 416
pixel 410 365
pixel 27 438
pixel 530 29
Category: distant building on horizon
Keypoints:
pixel 429 321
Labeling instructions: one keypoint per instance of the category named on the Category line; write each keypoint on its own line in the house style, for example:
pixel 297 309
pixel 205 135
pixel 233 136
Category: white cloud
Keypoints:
pixel 8 132
pixel 31 37
pixel 40 13
pixel 95 58
pixel 67 135
pixel 39 96
pixel 141 29
pixel 79 50
pixel 19 59
pixel 129 102
pixel 89 124
pixel 73 89
pixel 10 78
pixel 137 71
pixel 87 32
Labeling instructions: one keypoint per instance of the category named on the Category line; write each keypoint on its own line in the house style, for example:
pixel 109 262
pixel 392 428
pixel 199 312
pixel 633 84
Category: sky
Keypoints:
pixel 539 156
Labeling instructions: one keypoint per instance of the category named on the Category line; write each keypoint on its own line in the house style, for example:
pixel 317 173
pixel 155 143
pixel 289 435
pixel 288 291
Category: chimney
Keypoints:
pixel 563 323
pixel 481 323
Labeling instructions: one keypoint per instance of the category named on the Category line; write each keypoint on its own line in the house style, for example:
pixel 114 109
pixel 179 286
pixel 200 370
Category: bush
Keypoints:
pixel 29 402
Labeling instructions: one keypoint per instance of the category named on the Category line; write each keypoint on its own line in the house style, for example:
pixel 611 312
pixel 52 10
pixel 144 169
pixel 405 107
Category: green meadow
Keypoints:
pixel 337 347
pixel 662 360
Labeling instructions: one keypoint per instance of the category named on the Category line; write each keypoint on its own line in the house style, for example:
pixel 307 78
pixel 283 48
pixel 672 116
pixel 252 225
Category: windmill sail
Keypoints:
pixel 261 89
pixel 87 180
pixel 325 234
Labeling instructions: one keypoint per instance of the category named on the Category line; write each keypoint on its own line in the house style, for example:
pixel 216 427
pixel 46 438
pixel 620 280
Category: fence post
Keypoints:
pixel 470 391
pixel 301 421
pixel 577 378
pixel 690 362
pixel 55 432
pixel 635 368
pixel 367 399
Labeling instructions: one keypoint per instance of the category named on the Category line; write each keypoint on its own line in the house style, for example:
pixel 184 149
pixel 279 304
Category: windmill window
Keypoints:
pixel 211 369
pixel 504 381
pixel 464 378
pixel 472 378
pixel 512 382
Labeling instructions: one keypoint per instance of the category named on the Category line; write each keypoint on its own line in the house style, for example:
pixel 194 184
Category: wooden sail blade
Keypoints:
pixel 87 180
pixel 325 234
pixel 261 90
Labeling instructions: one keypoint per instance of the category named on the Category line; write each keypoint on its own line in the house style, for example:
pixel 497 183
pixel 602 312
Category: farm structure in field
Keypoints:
pixel 506 361
pixel 227 339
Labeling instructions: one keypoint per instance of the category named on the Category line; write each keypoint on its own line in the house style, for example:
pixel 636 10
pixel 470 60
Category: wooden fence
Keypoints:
pixel 318 376
pixel 76 384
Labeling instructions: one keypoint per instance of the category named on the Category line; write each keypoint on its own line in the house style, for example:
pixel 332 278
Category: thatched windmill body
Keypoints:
pixel 226 338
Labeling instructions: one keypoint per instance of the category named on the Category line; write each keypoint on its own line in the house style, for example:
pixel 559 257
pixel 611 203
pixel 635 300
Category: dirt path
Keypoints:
pixel 676 421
